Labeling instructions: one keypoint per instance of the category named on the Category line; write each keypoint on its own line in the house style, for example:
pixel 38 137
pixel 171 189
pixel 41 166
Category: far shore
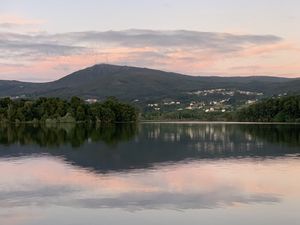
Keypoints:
pixel 213 122
pixel 147 121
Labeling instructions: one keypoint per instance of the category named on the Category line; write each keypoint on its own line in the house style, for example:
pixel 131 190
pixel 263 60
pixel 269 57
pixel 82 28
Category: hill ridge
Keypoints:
pixel 131 83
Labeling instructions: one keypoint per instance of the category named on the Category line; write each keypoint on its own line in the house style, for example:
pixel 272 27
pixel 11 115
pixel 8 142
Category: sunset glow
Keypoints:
pixel 44 43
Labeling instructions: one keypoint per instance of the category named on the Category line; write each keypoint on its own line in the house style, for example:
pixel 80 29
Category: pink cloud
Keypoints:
pixel 14 19
pixel 267 49
pixel 48 57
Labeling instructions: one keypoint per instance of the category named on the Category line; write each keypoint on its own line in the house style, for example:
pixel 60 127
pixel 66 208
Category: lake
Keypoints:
pixel 150 173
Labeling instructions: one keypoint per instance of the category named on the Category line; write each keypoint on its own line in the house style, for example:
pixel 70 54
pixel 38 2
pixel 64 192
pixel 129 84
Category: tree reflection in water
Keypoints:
pixel 132 146
pixel 57 135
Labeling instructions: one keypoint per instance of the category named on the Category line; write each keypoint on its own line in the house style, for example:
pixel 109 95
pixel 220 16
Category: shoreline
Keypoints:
pixel 148 122
pixel 214 122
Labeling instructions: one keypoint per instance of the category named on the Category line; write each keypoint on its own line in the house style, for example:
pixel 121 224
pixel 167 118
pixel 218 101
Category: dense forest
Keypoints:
pixel 284 109
pixel 55 110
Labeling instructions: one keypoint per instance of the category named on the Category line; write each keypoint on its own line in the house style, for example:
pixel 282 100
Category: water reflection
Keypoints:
pixel 76 173
pixel 77 135
pixel 126 147
pixel 48 181
pixel 58 135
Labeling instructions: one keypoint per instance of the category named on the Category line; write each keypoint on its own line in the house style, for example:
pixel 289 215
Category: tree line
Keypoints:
pixel 56 110
pixel 283 109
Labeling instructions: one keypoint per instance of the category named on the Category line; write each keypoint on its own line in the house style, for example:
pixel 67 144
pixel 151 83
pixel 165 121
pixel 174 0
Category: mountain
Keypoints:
pixel 130 83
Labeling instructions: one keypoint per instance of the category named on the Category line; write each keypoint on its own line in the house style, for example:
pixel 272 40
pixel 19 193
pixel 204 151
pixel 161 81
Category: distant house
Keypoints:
pixel 92 100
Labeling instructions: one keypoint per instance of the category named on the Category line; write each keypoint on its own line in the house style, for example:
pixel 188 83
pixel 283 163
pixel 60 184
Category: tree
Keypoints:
pixel 58 110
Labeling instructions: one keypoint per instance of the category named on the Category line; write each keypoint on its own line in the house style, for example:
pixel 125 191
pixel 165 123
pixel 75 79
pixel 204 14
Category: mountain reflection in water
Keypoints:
pixel 130 146
pixel 139 173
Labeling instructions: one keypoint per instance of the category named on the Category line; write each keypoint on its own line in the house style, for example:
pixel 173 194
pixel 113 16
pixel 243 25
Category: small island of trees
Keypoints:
pixel 56 110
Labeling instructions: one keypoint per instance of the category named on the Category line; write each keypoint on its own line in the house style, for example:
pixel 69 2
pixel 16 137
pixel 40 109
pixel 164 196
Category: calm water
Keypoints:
pixel 150 174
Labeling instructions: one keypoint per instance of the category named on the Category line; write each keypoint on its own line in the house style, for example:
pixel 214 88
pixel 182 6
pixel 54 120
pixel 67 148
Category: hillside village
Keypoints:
pixel 211 100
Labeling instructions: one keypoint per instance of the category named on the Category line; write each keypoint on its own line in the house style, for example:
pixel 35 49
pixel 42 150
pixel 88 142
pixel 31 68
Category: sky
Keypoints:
pixel 46 40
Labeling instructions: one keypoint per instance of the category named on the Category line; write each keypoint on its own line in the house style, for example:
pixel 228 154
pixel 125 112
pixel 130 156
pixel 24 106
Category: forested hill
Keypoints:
pixel 130 83
pixel 285 109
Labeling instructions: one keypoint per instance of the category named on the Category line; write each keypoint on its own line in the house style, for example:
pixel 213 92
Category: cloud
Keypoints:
pixel 21 46
pixel 9 25
pixel 11 21
pixel 222 42
pixel 191 52
pixel 168 41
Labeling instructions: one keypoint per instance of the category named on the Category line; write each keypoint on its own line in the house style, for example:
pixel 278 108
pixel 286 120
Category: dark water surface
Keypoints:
pixel 155 173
